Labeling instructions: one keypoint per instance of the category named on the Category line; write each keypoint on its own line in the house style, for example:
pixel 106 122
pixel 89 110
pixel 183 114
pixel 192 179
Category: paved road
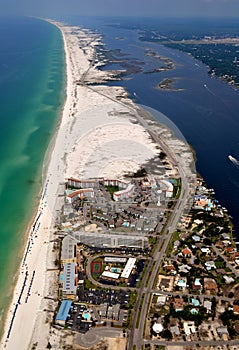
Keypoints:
pixel 194 343
pixel 232 268
pixel 200 296
pixel 141 308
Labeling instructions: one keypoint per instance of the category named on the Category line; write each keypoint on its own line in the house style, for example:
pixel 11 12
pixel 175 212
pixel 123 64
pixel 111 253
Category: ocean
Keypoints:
pixel 32 93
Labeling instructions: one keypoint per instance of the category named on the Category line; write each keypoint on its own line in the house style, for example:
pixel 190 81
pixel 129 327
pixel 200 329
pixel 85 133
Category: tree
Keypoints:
pixel 166 334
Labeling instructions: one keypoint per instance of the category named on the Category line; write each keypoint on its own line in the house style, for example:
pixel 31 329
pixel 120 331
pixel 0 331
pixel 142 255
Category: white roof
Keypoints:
pixel 205 250
pixel 109 274
pixel 157 327
pixel 114 259
pixel 161 299
pixel 128 268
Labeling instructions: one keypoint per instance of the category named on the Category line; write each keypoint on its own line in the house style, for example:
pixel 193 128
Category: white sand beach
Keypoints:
pixel 98 136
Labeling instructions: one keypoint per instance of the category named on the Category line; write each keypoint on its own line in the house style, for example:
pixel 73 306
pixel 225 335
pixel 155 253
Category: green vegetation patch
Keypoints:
pixel 112 189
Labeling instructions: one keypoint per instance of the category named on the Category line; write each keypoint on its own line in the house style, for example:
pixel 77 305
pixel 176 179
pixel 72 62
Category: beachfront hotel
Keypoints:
pixel 86 188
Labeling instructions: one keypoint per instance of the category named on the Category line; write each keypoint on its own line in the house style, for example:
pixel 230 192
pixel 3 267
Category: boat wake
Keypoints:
pixel 210 91
pixel 234 161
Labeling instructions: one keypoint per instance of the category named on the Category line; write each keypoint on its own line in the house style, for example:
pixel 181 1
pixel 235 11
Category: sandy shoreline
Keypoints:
pixel 98 136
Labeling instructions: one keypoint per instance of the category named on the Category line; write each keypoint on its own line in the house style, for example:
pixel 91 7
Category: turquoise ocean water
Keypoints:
pixel 32 93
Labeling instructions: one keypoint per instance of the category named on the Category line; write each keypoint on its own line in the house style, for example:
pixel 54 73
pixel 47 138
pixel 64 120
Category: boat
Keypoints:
pixel 233 160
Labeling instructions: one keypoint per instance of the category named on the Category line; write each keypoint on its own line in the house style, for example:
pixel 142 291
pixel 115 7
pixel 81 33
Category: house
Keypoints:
pixel 235 256
pixel 205 250
pixel 223 332
pixel 210 285
pixel 225 236
pixel 196 285
pixel 161 300
pixel 230 250
pixel 187 253
pixel 175 330
pixel 183 236
pixel 196 238
pixel 210 265
pixel 228 279
pixel 170 269
pixel 181 282
pixel 164 283
pixel 237 326
pixel 198 222
pixel 194 302
pixel 208 305
pixel 178 304
pixel 184 268
pixel 157 327
pixel 189 327
pixel 176 244
pixel 236 309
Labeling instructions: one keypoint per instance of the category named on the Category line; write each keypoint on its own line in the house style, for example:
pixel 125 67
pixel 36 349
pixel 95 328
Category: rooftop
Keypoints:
pixel 64 310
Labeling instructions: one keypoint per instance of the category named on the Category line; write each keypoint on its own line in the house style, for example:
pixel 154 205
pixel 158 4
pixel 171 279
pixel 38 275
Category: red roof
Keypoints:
pixel 186 251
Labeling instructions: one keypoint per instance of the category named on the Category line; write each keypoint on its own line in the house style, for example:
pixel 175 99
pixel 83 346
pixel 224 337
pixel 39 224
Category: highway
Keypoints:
pixel 141 308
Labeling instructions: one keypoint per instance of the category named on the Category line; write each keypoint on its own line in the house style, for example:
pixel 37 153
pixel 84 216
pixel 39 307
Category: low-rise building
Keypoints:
pixel 110 275
pixel 210 265
pixel 63 312
pixel 181 282
pixel 208 305
pixel 178 304
pixel 210 286
pixel 128 268
pixel 189 327
pixel 187 253
pixel 196 285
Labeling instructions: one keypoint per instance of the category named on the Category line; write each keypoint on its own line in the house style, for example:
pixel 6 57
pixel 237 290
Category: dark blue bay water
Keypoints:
pixel 32 83
pixel 205 111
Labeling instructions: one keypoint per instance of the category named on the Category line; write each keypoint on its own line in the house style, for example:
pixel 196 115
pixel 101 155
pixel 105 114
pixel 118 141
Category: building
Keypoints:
pixel 115 259
pixel 167 187
pixel 108 275
pixel 116 182
pixel 68 250
pixel 82 183
pixel 181 282
pixel 128 268
pixel 208 305
pixel 178 304
pixel 70 281
pixel 236 309
pixel 72 196
pixel 189 327
pixel 157 328
pixel 210 265
pixel 161 300
pixel 196 285
pixel 210 285
pixel 124 194
pixel 63 312
pixel 187 253
pixel 175 330
pixel 223 332
pixel 110 241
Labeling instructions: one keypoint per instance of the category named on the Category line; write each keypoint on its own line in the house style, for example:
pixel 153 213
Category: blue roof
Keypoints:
pixel 64 310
